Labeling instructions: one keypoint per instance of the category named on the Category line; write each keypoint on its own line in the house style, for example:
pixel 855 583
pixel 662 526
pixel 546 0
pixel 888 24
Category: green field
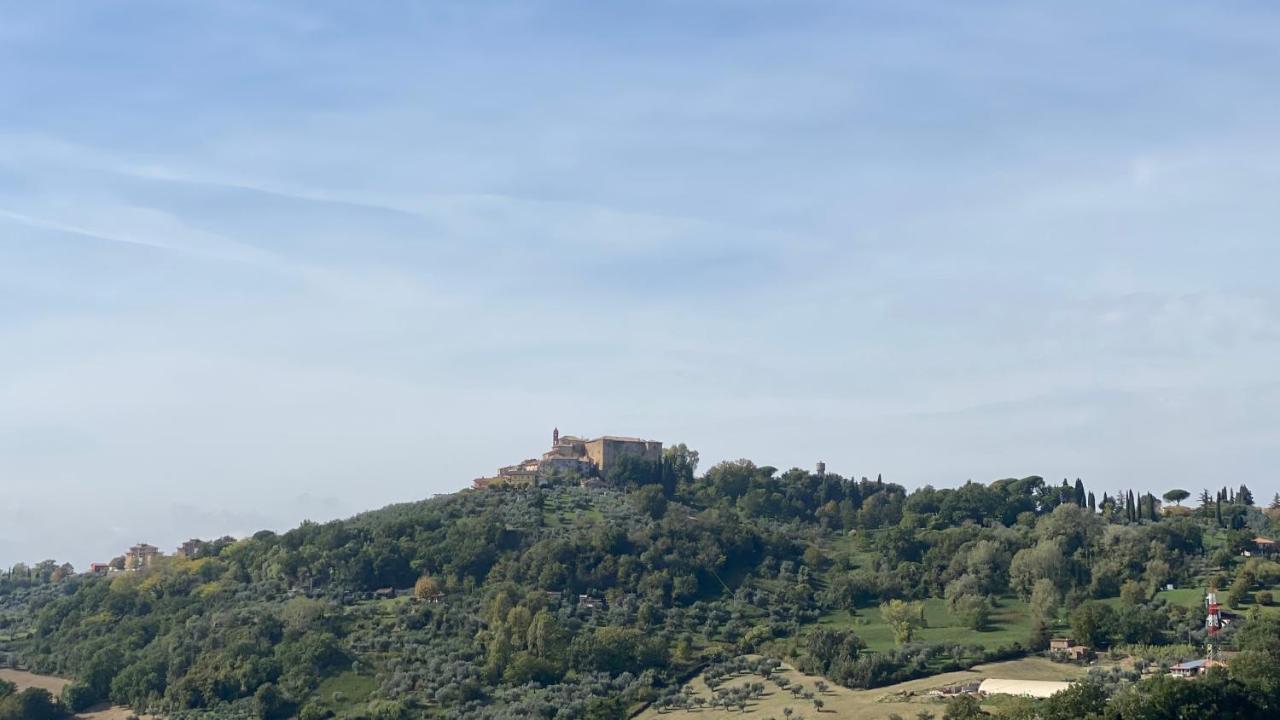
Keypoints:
pixel 855 548
pixel 1010 623
pixel 346 691
pixel 1251 602
pixel 1194 597
pixel 1185 597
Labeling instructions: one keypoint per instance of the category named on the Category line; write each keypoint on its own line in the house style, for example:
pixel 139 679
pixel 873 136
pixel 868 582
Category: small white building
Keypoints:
pixel 1022 688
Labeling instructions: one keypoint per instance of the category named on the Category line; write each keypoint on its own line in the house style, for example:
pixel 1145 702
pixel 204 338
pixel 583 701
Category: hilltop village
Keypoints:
pixel 142 556
pixel 589 461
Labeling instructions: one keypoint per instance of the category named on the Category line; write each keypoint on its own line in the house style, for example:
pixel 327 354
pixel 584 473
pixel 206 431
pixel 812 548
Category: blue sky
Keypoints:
pixel 267 261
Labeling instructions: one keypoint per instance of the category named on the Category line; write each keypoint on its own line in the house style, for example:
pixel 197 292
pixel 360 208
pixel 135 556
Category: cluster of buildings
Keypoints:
pixel 143 556
pixel 1064 648
pixel 574 457
pixel 1068 650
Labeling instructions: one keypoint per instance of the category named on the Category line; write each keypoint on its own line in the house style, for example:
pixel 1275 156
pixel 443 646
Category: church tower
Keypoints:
pixel 555 437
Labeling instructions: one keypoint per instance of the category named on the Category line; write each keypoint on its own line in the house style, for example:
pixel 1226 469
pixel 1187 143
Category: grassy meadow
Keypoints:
pixel 1010 623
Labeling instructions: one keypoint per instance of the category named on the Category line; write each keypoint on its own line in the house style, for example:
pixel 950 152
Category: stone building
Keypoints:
pixel 190 549
pixel 1067 648
pixel 605 452
pixel 571 455
pixel 140 556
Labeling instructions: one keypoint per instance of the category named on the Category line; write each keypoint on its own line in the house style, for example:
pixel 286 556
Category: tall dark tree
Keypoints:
pixel 1081 499
pixel 1244 497
pixel 1093 505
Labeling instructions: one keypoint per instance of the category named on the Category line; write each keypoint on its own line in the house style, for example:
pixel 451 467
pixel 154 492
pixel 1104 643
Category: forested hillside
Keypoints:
pixel 567 602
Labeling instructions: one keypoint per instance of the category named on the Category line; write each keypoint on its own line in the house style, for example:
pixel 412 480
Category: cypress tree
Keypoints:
pixel 1080 496
pixel 1093 506
pixel 1245 496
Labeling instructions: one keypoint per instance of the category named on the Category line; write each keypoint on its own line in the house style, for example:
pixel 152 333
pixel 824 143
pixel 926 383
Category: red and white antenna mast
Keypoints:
pixel 1213 620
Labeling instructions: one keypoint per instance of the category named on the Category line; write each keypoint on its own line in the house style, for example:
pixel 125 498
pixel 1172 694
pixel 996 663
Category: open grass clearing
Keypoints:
pixel 1010 623
pixel 345 692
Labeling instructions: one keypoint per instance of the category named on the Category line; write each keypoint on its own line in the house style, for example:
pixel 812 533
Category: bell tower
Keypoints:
pixel 555 437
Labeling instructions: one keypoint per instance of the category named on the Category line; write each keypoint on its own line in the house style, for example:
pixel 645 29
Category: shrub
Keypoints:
pixel 79 697
pixel 314 712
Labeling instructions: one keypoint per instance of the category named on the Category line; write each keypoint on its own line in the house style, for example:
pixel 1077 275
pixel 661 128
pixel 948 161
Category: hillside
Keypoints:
pixel 567 602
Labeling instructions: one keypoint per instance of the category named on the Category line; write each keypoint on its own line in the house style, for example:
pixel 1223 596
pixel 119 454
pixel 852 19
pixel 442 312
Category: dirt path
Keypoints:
pixel 54 685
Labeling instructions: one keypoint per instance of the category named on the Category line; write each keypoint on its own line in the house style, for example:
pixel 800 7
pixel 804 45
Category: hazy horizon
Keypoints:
pixel 268 261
